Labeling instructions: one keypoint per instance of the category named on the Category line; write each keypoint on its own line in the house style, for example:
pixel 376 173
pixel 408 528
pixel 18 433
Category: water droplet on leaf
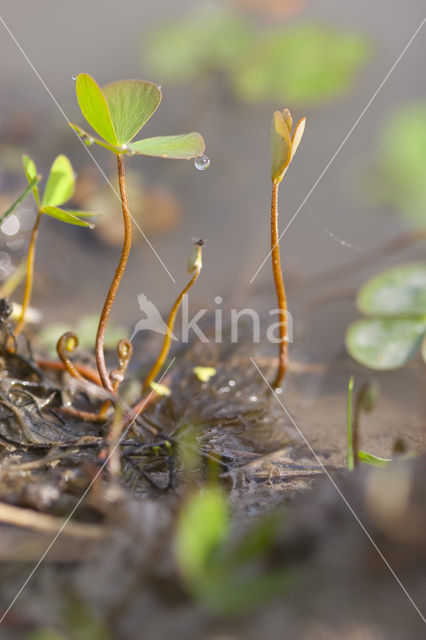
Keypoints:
pixel 202 162
pixel 88 141
pixel 124 147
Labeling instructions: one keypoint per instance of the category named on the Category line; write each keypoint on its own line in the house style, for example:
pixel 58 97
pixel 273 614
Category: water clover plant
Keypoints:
pixel 58 190
pixel 283 147
pixel 394 330
pixel 117 112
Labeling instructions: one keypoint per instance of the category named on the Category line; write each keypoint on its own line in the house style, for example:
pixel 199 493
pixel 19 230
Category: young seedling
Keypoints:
pixel 283 147
pixel 194 267
pixel 117 112
pixel 365 401
pixel 59 189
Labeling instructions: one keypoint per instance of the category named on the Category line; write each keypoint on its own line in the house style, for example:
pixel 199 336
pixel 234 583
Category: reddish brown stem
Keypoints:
pixel 85 371
pixel 103 321
pixel 279 287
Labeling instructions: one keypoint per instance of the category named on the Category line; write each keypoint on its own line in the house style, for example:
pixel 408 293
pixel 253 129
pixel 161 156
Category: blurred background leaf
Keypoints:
pixel 302 63
pixel 85 329
pixel 207 39
pixel 401 177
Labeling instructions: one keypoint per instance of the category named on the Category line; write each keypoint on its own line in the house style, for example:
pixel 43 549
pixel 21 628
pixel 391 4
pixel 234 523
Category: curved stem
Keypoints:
pixel 30 275
pixel 280 290
pixel 84 370
pixel 168 337
pixel 127 242
pixel 66 344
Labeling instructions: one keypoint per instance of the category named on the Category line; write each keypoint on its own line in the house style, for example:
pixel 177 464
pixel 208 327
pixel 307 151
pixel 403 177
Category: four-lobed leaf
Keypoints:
pixel 394 331
pixel 119 110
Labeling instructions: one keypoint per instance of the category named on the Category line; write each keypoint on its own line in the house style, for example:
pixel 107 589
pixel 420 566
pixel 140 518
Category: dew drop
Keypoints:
pixel 124 147
pixel 74 77
pixel 202 162
pixel 253 398
pixel 88 141
pixel 278 391
pixel 159 87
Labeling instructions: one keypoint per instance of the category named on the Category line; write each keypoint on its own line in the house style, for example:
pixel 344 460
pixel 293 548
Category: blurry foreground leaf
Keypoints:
pixel 224 576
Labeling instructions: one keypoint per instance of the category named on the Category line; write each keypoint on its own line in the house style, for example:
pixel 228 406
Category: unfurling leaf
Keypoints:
pixel 283 144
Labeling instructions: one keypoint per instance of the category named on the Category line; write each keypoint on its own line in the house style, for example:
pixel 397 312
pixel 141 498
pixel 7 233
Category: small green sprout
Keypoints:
pixel 58 190
pixel 394 330
pixel 283 147
pixel 117 112
pixel 365 401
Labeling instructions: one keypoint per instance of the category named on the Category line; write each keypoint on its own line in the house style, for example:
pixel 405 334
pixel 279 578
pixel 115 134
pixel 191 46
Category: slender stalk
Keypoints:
pixel 351 450
pixel 30 275
pixel 103 321
pixel 171 322
pixel 84 370
pixel 280 290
